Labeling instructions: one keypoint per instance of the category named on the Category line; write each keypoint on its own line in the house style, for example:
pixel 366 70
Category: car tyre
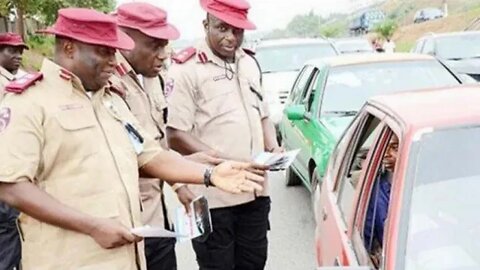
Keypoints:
pixel 291 178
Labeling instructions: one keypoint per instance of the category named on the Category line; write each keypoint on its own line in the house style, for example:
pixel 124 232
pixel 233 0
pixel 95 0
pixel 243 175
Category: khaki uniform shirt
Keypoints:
pixel 147 102
pixel 75 148
pixel 221 106
pixel 5 78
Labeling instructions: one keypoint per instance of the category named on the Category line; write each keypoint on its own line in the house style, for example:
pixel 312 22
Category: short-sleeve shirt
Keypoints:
pixel 146 101
pixel 5 78
pixel 77 149
pixel 222 105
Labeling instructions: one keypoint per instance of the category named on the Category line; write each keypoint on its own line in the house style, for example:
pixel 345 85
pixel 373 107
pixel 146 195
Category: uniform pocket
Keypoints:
pixel 75 133
pixel 75 120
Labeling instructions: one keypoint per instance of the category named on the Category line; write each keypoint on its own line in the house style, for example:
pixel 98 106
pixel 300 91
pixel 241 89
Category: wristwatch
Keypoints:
pixel 207 177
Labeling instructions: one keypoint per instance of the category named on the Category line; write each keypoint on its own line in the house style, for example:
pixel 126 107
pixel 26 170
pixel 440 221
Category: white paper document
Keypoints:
pixel 277 161
pixel 187 226
pixel 147 231
pixel 196 224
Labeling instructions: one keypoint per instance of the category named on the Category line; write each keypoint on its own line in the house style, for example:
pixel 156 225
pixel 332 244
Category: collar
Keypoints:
pixel 61 76
pixel 205 54
pixel 123 67
pixel 5 73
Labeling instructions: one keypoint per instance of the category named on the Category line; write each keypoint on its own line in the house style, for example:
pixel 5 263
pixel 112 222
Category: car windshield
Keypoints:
pixel 348 87
pixel 443 220
pixel 458 47
pixel 353 46
pixel 291 57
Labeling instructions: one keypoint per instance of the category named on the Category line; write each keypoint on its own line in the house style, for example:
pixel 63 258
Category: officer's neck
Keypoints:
pixel 225 59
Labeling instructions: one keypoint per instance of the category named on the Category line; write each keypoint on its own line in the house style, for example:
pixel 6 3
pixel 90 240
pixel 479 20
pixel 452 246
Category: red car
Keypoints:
pixel 402 188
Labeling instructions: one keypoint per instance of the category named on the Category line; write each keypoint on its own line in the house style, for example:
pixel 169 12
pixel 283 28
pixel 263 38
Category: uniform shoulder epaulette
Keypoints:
pixel 184 55
pixel 118 87
pixel 21 84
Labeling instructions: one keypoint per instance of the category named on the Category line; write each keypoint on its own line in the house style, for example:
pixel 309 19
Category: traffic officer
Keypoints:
pixel 139 70
pixel 71 153
pixel 11 50
pixel 216 103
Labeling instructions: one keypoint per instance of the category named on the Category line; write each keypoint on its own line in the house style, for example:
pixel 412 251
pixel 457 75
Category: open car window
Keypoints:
pixel 353 162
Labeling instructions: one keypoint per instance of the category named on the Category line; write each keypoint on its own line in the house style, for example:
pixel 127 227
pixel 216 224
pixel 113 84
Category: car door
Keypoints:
pixel 309 129
pixel 291 134
pixel 366 187
pixel 338 194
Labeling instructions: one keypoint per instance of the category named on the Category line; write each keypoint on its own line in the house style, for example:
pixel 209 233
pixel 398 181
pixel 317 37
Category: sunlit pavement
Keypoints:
pixel 291 238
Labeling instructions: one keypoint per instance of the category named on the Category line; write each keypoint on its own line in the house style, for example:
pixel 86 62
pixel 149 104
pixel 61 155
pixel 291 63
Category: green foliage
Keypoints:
pixel 386 29
pixel 307 25
pixel 404 46
pixel 276 33
pixel 47 9
pixel 334 29
pixel 5 7
pixel 41 44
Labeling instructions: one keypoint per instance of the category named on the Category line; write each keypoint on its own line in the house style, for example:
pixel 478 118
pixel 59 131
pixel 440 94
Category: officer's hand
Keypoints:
pixel 233 177
pixel 110 234
pixel 209 157
pixel 185 196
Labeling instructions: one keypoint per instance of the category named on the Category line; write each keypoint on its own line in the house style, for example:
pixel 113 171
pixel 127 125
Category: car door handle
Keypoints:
pixel 324 213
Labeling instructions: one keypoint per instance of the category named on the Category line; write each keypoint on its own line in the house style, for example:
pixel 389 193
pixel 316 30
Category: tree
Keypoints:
pixel 48 9
pixel 305 25
pixel 386 29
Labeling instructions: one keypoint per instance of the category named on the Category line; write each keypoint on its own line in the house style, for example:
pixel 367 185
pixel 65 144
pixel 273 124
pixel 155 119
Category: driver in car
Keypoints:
pixel 379 200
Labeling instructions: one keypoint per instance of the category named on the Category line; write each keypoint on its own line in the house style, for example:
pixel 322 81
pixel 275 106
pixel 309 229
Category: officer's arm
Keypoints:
pixel 31 200
pixel 21 145
pixel 184 143
pixel 270 136
pixel 229 176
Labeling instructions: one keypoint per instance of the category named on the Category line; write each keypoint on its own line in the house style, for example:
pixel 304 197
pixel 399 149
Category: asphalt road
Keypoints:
pixel 291 245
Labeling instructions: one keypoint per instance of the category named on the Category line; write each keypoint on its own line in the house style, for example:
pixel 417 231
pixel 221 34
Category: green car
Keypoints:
pixel 328 93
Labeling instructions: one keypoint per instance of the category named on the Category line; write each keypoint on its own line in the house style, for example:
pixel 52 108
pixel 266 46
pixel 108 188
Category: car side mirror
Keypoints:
pixel 295 112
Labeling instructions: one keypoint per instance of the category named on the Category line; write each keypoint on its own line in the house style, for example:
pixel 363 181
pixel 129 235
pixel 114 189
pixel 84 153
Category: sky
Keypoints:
pixel 187 15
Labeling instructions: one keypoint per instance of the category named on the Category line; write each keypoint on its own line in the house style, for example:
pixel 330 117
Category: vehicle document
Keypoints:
pixel 197 223
pixel 148 231
pixel 277 161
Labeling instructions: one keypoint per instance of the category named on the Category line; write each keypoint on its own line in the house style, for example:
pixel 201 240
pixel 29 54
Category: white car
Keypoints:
pixel 280 61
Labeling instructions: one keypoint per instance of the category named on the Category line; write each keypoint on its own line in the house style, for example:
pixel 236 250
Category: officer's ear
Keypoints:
pixel 65 46
pixel 205 25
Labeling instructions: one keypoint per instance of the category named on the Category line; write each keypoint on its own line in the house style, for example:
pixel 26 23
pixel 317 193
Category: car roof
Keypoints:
pixel 434 108
pixel 451 34
pixel 291 41
pixel 346 60
pixel 350 39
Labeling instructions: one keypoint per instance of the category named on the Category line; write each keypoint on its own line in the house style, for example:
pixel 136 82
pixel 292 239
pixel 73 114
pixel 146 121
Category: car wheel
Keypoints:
pixel 291 178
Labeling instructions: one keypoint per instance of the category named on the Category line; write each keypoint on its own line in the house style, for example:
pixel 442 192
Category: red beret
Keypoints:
pixel 91 27
pixel 12 39
pixel 233 12
pixel 148 19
